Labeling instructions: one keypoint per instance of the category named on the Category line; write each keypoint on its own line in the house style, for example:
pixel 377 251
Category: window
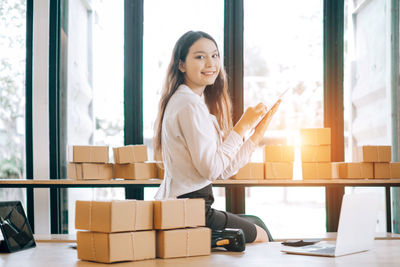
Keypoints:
pixel 164 23
pixel 94 84
pixel 367 103
pixel 12 95
pixel 283 49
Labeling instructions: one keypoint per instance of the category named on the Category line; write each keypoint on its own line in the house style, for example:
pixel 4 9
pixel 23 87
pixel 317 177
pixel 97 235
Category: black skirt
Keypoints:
pixel 217 220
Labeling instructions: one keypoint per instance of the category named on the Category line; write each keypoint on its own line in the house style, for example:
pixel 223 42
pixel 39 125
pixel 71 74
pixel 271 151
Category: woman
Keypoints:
pixel 194 133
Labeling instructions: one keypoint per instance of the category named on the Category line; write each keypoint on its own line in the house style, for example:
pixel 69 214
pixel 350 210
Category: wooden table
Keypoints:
pixel 385 253
pixel 70 238
pixel 140 184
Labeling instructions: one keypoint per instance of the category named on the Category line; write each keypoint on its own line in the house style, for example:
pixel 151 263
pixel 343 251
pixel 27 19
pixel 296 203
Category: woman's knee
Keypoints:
pixel 262 235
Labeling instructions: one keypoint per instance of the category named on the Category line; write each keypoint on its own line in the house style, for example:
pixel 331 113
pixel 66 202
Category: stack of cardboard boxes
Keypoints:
pixel 370 162
pixel 115 230
pixel 316 153
pixel 279 162
pixel 180 228
pixel 125 230
pixel 92 162
pixel 89 163
pixel 131 163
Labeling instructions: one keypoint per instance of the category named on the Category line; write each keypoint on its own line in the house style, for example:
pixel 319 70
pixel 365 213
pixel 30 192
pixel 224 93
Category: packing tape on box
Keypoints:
pixel 314 156
pixel 185 208
pixel 136 215
pixel 274 171
pixel 317 171
pixel 93 246
pixel 133 245
pixel 187 242
pixel 133 154
pixel 76 167
pixel 90 215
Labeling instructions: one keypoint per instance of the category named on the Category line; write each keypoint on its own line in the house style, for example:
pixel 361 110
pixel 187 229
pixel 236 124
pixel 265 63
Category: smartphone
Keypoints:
pixel 301 243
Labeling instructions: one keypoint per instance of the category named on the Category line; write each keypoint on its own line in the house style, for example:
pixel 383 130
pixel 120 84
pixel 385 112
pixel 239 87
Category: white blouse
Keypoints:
pixel 194 154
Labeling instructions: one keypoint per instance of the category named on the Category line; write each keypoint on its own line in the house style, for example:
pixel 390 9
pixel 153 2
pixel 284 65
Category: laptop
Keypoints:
pixel 356 231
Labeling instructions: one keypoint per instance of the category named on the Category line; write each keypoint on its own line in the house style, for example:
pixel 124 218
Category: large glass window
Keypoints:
pixel 283 49
pixel 12 95
pixel 164 23
pixel 93 39
pixel 367 103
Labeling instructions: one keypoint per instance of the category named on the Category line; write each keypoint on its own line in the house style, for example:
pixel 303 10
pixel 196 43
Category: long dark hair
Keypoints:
pixel 216 95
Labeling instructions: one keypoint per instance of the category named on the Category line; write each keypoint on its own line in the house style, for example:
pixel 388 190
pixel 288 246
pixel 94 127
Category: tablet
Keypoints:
pixel 15 228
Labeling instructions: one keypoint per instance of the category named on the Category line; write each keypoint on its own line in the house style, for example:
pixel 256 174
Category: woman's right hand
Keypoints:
pixel 249 118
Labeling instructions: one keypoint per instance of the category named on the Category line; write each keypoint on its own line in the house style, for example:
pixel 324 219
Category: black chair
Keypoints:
pixel 257 221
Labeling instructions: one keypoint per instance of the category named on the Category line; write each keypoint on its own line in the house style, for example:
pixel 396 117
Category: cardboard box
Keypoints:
pixel 278 153
pixel 395 170
pixel 88 154
pixel 372 154
pixel 115 247
pixel 130 154
pixel 114 216
pixel 382 170
pixel 160 169
pixel 315 136
pixel 316 153
pixel 251 171
pixel 90 171
pixel 319 170
pixel 183 242
pixel 136 171
pixel 179 213
pixel 356 170
pixel 279 170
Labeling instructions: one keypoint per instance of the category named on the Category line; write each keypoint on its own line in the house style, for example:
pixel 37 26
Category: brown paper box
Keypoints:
pixel 136 171
pixel 114 216
pixel 278 153
pixel 356 170
pixel 395 170
pixel 382 170
pixel 316 153
pixel 318 170
pixel 130 154
pixel 160 169
pixel 315 136
pixel 251 171
pixel 179 213
pixel 88 154
pixel 372 154
pixel 115 247
pixel 183 242
pixel 279 170
pixel 90 171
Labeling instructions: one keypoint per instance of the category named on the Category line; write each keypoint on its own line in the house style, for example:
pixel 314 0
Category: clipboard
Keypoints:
pixel 17 233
